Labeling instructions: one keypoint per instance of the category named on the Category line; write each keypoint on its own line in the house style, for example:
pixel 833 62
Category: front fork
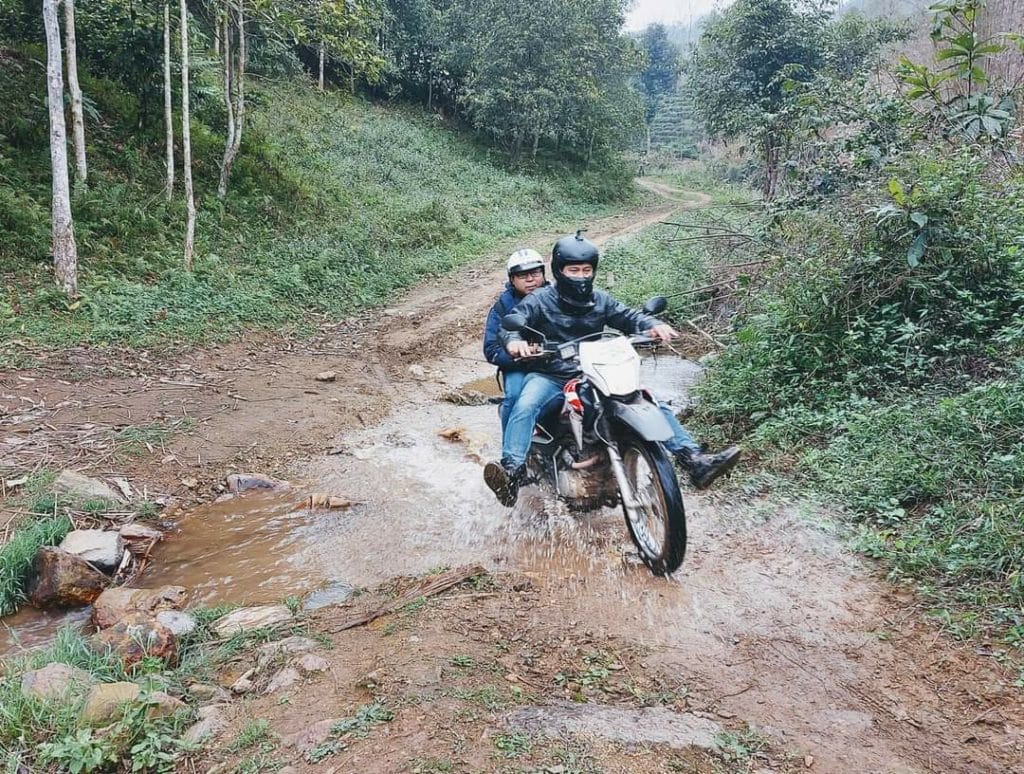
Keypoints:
pixel 625 488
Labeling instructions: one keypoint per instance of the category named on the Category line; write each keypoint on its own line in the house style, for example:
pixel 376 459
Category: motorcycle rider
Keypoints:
pixel 567 310
pixel 525 274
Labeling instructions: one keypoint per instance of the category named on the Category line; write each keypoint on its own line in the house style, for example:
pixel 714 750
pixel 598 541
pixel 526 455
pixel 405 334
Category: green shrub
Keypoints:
pixel 17 555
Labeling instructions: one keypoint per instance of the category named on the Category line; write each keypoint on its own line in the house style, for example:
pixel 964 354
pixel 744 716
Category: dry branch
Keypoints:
pixel 428 587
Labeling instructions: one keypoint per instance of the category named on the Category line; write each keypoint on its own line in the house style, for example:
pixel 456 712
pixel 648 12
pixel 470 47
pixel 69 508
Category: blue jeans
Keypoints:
pixel 540 393
pixel 681 439
pixel 512 385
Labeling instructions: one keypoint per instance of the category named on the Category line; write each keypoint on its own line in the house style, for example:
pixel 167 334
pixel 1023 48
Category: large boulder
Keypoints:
pixel 81 488
pixel 135 637
pixel 60 579
pixel 100 548
pixel 54 681
pixel 114 604
pixel 246 619
pixel 105 703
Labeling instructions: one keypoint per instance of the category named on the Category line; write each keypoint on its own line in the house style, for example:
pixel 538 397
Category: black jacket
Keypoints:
pixel 546 312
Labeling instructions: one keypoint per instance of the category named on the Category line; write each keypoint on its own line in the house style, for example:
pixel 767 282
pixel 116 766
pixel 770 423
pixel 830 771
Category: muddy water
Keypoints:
pixel 422 505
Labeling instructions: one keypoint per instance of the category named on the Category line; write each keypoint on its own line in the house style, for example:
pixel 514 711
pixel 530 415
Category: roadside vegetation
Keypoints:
pixel 877 355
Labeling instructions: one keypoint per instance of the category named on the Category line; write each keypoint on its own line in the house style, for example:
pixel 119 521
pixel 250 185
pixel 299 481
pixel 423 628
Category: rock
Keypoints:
pixel 114 604
pixel 243 684
pixel 134 637
pixel 326 376
pixel 248 618
pixel 212 720
pixel 101 548
pixel 60 579
pixel 105 700
pixel 55 680
pixel 205 692
pixel 417 371
pixel 178 622
pixel 311 664
pixel 308 738
pixel 282 649
pixel 285 678
pixel 466 398
pixel 333 594
pixel 243 482
pixel 81 488
pixel 139 533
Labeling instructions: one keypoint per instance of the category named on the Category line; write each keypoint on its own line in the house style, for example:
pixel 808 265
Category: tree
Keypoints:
pixel 168 102
pixel 740 69
pixel 186 144
pixel 65 251
pixel 234 89
pixel 661 68
pixel 77 121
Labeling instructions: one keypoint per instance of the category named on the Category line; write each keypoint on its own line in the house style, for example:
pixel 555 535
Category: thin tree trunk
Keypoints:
pixel 590 148
pixel 243 56
pixel 216 38
pixel 65 252
pixel 536 143
pixel 430 91
pixel 168 112
pixel 77 121
pixel 320 80
pixel 229 143
pixel 186 143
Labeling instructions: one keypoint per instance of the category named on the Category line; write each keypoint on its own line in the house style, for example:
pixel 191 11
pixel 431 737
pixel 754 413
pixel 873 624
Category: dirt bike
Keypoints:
pixel 604 446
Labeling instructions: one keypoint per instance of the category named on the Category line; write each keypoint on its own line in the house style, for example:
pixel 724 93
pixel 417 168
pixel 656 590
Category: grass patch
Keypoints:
pixel 36 734
pixel 334 204
pixel 17 555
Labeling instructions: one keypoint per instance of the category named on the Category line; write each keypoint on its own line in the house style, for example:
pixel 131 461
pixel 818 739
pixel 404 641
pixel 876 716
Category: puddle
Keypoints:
pixel 424 505
pixel 29 627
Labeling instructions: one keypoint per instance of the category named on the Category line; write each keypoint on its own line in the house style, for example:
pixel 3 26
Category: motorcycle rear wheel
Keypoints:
pixel 659 531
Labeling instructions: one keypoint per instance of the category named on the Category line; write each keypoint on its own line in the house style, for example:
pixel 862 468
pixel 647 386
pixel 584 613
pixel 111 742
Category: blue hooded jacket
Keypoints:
pixel 494 350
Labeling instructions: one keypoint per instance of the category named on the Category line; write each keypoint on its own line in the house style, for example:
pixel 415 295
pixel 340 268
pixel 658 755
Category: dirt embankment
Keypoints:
pixel 774 649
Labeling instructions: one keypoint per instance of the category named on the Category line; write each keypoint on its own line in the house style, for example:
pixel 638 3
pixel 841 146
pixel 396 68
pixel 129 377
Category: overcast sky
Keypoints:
pixel 646 12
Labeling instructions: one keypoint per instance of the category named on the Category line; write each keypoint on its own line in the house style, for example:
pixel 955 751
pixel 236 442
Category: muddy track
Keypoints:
pixel 772 622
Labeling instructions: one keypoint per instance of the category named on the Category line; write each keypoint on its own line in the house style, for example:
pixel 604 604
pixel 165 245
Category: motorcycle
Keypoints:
pixel 604 447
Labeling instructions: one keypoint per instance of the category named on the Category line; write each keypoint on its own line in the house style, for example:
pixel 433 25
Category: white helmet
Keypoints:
pixel 524 260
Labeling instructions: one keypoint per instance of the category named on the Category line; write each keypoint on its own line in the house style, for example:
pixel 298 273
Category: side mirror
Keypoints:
pixel 655 305
pixel 513 321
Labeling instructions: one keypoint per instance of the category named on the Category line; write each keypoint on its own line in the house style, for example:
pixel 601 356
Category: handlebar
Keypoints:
pixel 570 350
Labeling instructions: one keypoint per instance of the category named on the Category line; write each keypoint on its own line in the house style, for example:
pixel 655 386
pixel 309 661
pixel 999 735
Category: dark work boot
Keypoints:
pixel 504 479
pixel 705 468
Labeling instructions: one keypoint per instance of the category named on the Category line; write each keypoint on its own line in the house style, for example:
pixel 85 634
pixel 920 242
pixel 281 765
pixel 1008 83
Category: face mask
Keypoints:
pixel 580 291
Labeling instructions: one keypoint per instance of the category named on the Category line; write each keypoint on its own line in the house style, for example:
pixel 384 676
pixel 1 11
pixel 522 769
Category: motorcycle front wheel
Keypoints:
pixel 658 524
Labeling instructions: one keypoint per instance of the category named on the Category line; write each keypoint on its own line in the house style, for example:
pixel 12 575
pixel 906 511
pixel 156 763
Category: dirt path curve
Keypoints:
pixel 253 402
pixel 772 623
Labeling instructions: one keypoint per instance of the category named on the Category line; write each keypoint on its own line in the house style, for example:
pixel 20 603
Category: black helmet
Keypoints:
pixel 574 249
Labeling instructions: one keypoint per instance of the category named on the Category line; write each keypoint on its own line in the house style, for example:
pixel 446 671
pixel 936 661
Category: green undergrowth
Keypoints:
pixel 18 553
pixel 39 735
pixel 879 367
pixel 334 204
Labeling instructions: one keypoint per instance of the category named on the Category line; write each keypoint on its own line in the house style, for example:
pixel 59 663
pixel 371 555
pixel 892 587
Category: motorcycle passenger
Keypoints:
pixel 570 309
pixel 525 275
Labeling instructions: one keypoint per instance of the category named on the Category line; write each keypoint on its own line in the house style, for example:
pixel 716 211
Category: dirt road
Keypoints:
pixel 774 649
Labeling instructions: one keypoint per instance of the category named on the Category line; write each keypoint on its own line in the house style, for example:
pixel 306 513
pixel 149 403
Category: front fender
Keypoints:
pixel 641 416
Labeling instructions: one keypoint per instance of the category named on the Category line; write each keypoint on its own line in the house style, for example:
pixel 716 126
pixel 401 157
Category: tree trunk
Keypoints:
pixel 168 113
pixel 234 88
pixel 536 143
pixel 77 121
pixel 430 91
pixel 320 80
pixel 240 77
pixel 229 106
pixel 65 252
pixel 186 143
pixel 771 167
pixel 648 141
pixel 590 148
